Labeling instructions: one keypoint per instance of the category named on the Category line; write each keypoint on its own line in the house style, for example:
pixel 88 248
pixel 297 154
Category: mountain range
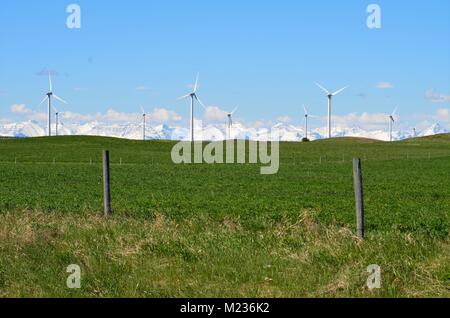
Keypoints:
pixel 212 132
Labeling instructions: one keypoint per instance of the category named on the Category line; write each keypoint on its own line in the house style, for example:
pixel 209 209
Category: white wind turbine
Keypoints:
pixel 330 96
pixel 48 97
pixel 56 120
pixel 307 116
pixel 230 121
pixel 306 121
pixel 391 123
pixel 143 122
pixel 193 95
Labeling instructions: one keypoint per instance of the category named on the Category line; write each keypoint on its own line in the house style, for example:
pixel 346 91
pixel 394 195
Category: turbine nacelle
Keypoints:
pixel 330 97
pixel 193 96
pixel 393 115
pixel 232 113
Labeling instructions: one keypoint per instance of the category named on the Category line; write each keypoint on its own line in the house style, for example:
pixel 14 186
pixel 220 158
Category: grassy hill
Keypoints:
pixel 223 230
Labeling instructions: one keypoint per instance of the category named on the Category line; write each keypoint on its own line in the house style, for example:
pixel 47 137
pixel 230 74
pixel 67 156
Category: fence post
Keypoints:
pixel 106 184
pixel 357 176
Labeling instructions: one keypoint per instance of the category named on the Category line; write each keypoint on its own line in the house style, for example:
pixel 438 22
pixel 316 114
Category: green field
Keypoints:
pixel 223 230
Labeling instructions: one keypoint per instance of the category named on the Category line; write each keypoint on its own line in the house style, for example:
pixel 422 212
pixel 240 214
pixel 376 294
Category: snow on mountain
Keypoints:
pixel 26 129
pixel 216 132
pixel 434 130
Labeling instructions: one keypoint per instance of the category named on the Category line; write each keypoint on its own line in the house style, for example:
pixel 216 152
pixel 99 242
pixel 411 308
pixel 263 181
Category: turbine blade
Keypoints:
pixel 232 113
pixel 394 112
pixel 196 83
pixel 340 91
pixel 306 111
pixel 45 98
pixel 142 109
pixel 322 88
pixel 59 98
pixel 50 81
pixel 201 103
pixel 183 97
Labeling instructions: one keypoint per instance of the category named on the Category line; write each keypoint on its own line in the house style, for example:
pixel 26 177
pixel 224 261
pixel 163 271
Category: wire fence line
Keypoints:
pixel 286 161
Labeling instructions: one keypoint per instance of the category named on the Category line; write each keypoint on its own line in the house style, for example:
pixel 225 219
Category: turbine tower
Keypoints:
pixel 143 122
pixel 391 123
pixel 48 97
pixel 193 95
pixel 306 121
pixel 230 122
pixel 330 96
pixel 56 121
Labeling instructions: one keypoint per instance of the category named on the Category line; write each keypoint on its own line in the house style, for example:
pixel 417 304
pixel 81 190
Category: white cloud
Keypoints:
pixel 142 88
pixel 384 85
pixel 443 114
pixel 214 113
pixel 435 97
pixel 78 117
pixel 284 119
pixel 363 120
pixel 164 115
pixel 159 115
pixel 20 109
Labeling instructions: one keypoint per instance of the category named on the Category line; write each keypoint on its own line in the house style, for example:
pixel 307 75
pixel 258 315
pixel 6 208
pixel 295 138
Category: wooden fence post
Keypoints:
pixel 359 198
pixel 106 184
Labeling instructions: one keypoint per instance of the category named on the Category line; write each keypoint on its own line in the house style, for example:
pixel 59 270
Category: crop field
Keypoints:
pixel 223 230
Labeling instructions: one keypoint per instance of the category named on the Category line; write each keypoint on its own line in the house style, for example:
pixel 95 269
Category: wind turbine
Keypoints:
pixel 48 97
pixel 307 116
pixel 306 121
pixel 143 122
pixel 391 123
pixel 193 95
pixel 56 121
pixel 330 96
pixel 230 122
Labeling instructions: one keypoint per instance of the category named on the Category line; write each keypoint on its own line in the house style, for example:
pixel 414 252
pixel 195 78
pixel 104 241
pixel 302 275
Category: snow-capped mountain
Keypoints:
pixel 284 132
pixel 434 130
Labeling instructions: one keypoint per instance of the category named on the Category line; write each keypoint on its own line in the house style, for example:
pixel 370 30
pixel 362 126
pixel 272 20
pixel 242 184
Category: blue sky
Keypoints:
pixel 261 55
